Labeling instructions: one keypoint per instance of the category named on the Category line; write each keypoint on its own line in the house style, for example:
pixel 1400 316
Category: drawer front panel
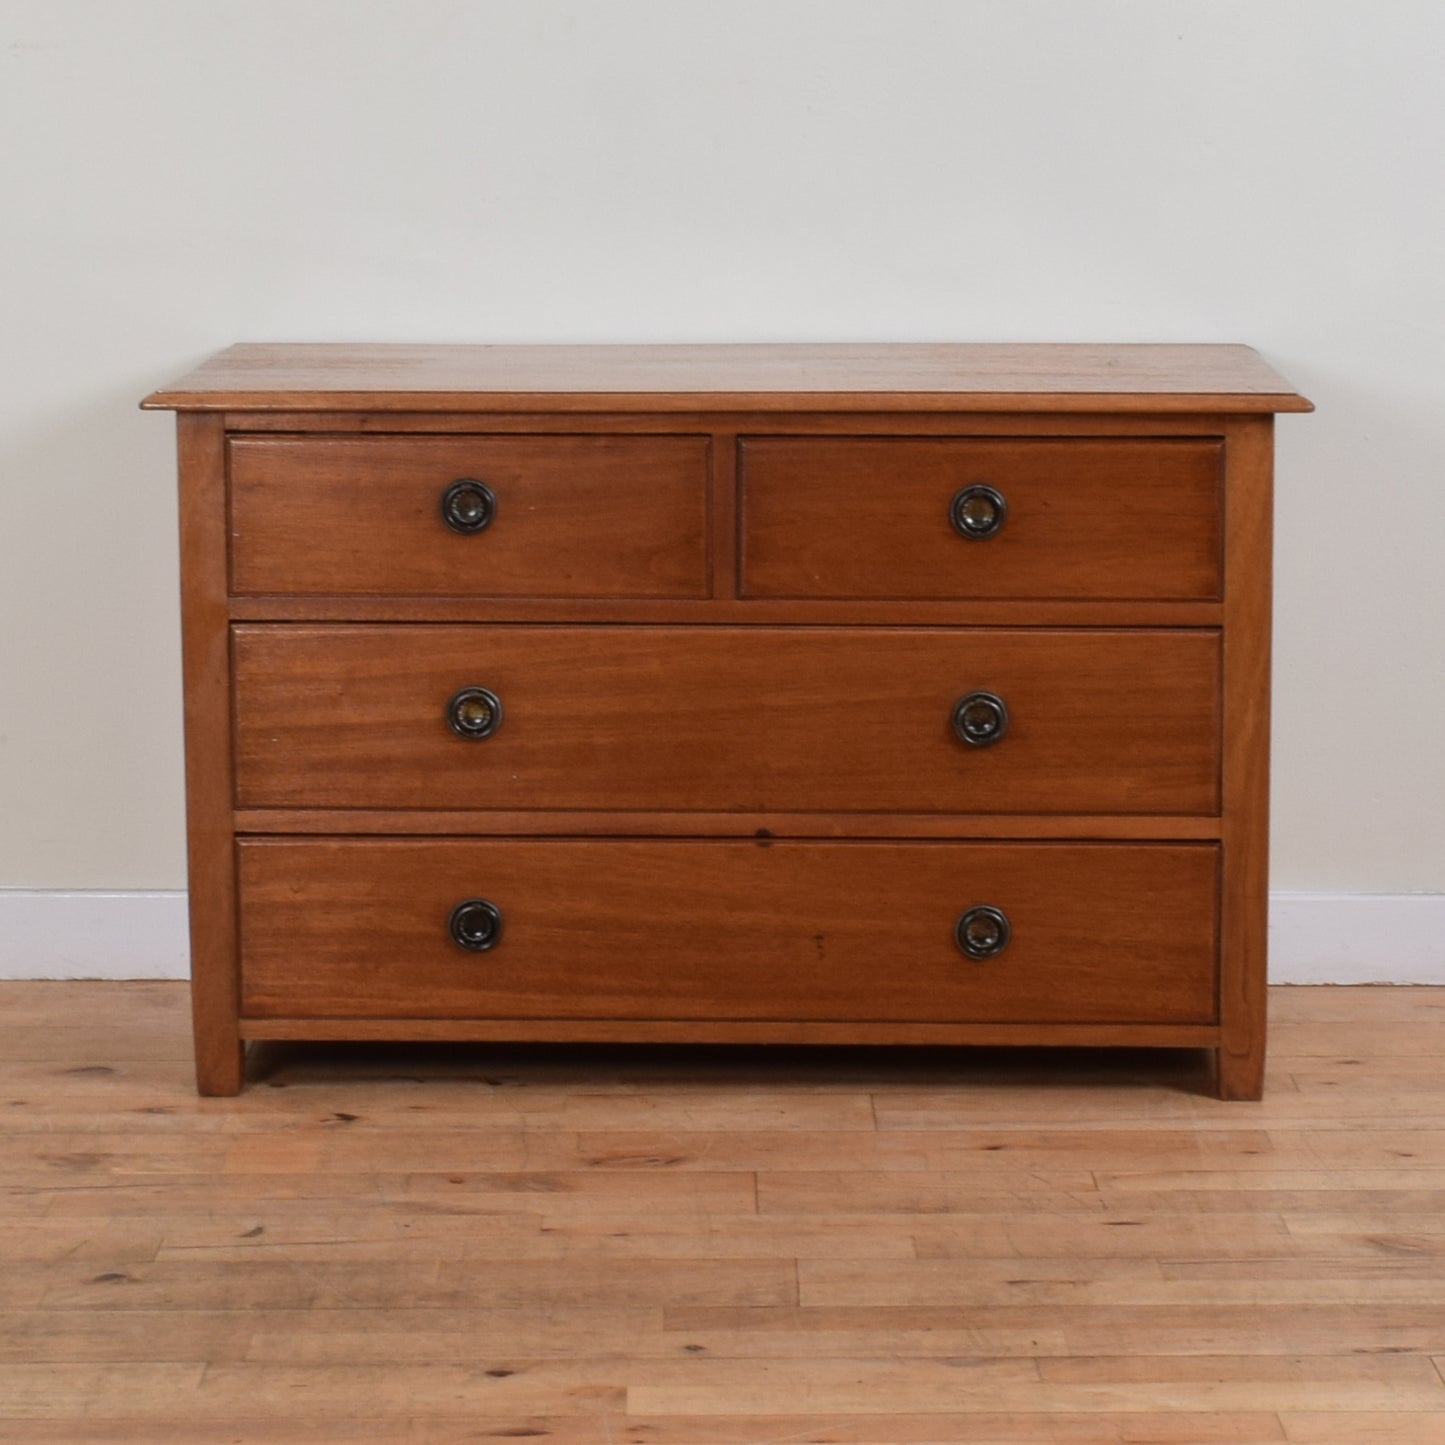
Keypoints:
pixel 1082 518
pixel 726 719
pixel 586 516
pixel 724 930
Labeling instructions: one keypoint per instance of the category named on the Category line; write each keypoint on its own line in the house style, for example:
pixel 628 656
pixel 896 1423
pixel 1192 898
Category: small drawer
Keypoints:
pixel 483 516
pixel 961 518
pixel 916 720
pixel 997 932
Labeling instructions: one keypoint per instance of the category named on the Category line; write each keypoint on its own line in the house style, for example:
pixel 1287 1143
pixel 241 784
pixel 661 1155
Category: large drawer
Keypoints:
pixel 727 718
pixel 1080 518
pixel 577 516
pixel 1098 932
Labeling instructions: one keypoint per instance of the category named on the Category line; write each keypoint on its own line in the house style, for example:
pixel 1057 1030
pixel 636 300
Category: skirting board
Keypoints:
pixel 93 935
pixel 1357 938
pixel 1313 937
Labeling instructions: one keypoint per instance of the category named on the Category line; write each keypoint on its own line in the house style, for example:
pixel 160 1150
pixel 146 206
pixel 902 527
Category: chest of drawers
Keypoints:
pixel 889 694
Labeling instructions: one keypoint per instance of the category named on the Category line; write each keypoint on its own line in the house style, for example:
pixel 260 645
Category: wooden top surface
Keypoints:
pixel 814 377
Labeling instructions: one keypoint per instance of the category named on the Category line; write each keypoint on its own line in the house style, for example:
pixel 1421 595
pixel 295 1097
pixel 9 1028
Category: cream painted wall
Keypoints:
pixel 179 174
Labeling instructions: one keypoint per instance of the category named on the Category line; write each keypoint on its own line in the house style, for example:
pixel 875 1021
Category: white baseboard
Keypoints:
pixel 1313 937
pixel 93 935
pixel 1357 938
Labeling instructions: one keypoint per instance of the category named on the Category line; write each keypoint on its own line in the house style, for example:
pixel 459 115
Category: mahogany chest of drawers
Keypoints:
pixel 862 694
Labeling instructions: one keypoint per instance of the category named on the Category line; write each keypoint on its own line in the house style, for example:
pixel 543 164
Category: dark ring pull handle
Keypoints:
pixel 469 506
pixel 978 513
pixel 475 925
pixel 475 712
pixel 982 932
pixel 980 719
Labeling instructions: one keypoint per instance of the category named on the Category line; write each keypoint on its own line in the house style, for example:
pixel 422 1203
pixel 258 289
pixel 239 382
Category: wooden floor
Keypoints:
pixel 719 1247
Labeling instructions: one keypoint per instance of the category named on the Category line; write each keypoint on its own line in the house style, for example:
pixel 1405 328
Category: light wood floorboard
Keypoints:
pixel 430 1246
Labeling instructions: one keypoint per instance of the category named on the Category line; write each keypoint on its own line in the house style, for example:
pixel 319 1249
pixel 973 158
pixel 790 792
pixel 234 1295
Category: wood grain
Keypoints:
pixel 807 1032
pixel 220 1056
pixel 771 377
pixel 721 599
pixel 869 517
pixel 1249 508
pixel 439 1245
pixel 552 823
pixel 960 612
pixel 704 418
pixel 727 719
pixel 575 516
pixel 1102 933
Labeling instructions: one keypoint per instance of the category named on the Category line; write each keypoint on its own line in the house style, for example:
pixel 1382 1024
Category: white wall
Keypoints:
pixel 179 174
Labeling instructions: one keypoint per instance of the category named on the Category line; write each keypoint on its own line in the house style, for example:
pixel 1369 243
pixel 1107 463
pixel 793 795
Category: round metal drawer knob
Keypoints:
pixel 475 712
pixel 978 513
pixel 982 932
pixel 980 719
pixel 469 506
pixel 476 925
